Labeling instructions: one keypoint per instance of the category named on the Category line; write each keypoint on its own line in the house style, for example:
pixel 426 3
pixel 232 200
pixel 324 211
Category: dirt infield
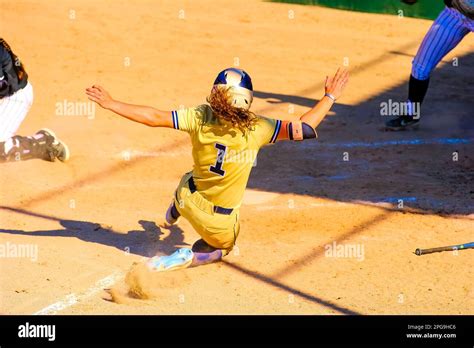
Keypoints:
pixel 91 218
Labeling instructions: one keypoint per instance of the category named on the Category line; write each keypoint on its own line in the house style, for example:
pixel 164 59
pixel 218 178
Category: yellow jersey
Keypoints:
pixel 223 155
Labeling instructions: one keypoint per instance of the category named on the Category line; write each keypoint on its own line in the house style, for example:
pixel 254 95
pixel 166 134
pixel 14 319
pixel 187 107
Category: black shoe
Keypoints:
pixel 401 123
pixel 56 148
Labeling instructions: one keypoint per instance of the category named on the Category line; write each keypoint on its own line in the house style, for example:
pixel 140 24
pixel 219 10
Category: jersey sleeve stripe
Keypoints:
pixel 174 114
pixel 277 130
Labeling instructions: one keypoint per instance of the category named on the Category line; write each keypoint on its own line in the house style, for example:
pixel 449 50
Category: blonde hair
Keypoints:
pixel 220 101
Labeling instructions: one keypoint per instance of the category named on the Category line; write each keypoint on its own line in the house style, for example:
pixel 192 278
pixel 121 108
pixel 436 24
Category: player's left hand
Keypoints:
pixel 335 85
pixel 99 95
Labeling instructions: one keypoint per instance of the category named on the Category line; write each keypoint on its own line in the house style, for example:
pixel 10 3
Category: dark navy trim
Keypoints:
pixel 217 209
pixel 223 211
pixel 192 185
pixel 277 130
pixel 174 115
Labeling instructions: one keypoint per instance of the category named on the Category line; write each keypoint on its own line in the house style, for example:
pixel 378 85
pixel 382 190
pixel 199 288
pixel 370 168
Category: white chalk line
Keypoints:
pixel 72 299
pixel 299 206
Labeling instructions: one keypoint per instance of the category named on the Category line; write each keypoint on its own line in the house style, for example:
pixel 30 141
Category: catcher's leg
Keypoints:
pixel 43 145
pixel 19 148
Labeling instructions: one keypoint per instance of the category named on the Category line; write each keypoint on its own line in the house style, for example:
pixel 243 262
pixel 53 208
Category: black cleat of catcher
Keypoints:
pixel 401 123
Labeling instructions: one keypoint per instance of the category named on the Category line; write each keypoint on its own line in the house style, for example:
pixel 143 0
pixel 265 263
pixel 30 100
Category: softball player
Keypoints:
pixel 451 26
pixel 16 98
pixel 226 137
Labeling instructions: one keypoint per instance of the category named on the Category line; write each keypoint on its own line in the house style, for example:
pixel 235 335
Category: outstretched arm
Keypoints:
pixel 146 115
pixel 333 87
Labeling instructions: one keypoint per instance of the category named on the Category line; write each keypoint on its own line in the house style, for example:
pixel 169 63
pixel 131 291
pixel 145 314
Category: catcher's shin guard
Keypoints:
pixel 19 148
pixel 181 258
pixel 43 145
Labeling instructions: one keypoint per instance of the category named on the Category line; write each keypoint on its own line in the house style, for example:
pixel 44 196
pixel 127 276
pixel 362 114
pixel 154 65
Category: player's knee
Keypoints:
pixel 420 71
pixel 201 246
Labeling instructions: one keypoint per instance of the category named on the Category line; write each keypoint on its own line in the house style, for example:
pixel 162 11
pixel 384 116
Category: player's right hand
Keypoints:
pixel 335 85
pixel 99 95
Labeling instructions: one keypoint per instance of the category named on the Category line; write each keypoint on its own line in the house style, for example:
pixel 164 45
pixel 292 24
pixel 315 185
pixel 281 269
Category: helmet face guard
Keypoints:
pixel 239 85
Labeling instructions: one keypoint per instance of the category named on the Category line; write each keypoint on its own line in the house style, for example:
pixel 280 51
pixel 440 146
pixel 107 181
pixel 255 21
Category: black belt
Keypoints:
pixel 217 209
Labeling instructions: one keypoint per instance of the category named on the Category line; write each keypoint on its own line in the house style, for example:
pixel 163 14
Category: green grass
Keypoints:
pixel 428 9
